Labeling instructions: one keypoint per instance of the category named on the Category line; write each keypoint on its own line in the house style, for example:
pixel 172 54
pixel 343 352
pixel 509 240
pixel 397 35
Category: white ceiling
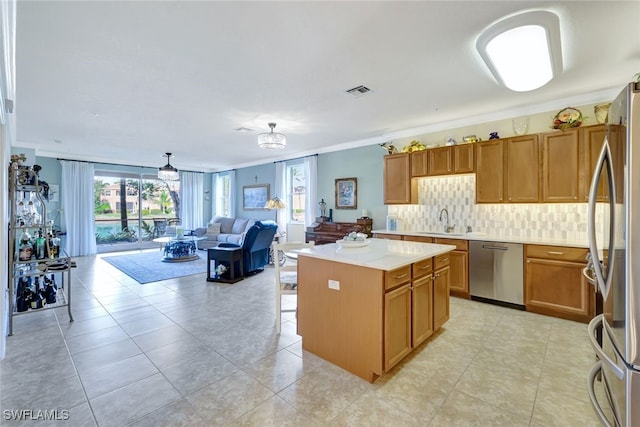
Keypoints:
pixel 124 81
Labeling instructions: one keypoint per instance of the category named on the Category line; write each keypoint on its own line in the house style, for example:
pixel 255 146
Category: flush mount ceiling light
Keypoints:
pixel 168 172
pixel 523 52
pixel 272 140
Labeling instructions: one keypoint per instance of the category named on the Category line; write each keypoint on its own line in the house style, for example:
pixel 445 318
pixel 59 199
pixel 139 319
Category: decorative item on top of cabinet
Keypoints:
pixel 399 188
pixel 555 285
pixel 567 118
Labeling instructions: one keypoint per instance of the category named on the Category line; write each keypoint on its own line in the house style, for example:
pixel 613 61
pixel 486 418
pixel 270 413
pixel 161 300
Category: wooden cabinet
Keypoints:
pixel 419 163
pixel 422 239
pixel 323 231
pixel 422 309
pixel 397 325
pixel 522 168
pixel 440 161
pixel 489 160
pixel 463 158
pixel 561 166
pixel 441 279
pixel 399 188
pixel 591 140
pixel 459 267
pixel 554 284
pixel 387 236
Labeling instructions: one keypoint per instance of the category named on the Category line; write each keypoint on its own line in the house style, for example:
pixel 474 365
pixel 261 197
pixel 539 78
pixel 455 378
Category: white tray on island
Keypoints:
pixel 352 243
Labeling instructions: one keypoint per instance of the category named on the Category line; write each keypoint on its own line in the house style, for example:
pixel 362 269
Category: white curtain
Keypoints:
pixel 311 189
pixel 77 208
pixel 281 192
pixel 191 199
pixel 232 193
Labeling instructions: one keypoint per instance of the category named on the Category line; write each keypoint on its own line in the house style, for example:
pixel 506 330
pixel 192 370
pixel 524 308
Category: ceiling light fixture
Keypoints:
pixel 272 140
pixel 168 172
pixel 523 52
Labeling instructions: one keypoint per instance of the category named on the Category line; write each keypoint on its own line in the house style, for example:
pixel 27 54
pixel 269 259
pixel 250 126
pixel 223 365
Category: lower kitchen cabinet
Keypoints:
pixel 554 284
pixel 397 325
pixel 459 266
pixel 441 278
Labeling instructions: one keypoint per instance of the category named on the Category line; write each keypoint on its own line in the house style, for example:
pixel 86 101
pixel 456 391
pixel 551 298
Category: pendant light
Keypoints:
pixel 272 140
pixel 168 172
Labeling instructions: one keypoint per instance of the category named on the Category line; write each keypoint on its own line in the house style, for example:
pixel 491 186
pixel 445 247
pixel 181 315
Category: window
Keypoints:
pixel 223 190
pixel 296 191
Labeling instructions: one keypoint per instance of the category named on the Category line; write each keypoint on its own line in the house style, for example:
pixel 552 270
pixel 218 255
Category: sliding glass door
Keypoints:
pixel 131 210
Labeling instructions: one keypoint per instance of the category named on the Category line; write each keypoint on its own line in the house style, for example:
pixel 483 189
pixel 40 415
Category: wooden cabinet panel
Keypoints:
pixel 463 158
pixel 422 268
pixel 522 183
pixel 422 239
pixel 387 236
pixel 459 271
pixel 460 244
pixel 397 325
pixel 440 261
pixel 397 277
pixel 554 284
pixel 591 140
pixel 422 308
pixel 441 279
pixel 560 166
pixel 399 188
pixel 489 160
pixel 419 163
pixel 440 161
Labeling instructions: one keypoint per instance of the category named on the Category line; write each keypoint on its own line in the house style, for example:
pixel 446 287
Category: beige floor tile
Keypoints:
pixel 553 409
pixel 177 414
pixel 274 412
pixel 462 410
pixel 373 410
pixel 279 370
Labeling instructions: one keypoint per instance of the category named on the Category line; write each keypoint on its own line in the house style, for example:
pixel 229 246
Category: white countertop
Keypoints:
pixel 382 254
pixel 492 238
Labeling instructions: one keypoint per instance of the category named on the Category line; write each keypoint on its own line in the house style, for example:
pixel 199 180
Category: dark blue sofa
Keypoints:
pixel 255 246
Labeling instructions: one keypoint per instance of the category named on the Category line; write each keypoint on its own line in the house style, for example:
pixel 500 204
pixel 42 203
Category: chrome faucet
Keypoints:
pixel 447 228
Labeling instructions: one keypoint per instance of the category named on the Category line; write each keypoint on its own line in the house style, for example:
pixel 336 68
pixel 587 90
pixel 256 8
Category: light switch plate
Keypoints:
pixel 334 284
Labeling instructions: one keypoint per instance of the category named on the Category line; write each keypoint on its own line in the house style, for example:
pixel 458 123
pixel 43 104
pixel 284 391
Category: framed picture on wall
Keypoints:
pixel 254 197
pixel 346 193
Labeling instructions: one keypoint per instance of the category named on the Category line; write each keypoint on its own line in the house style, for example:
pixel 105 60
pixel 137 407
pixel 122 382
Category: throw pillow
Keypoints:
pixel 213 229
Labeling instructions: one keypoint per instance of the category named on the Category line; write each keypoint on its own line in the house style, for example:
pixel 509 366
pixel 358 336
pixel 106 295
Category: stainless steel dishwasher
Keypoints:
pixel 496 272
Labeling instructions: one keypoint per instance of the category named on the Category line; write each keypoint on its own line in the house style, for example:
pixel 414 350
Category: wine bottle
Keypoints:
pixel 51 290
pixel 40 246
pixel 36 302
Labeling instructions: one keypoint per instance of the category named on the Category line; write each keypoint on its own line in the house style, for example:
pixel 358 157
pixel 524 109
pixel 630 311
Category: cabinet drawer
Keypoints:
pixel 422 239
pixel 388 236
pixel 422 268
pixel 461 245
pixel 397 277
pixel 556 252
pixel 440 261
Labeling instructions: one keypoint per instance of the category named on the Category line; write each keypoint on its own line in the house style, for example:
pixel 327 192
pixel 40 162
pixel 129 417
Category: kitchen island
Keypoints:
pixel 365 308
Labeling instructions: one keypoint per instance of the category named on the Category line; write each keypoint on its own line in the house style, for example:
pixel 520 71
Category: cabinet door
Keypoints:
pixel 397 325
pixel 419 163
pixel 399 188
pixel 463 158
pixel 522 165
pixel 441 279
pixel 440 161
pixel 422 304
pixel 459 265
pixel 558 288
pixel 490 172
pixel 560 166
pixel 591 139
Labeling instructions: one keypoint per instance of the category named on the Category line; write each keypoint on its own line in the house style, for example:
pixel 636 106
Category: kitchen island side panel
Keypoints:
pixel 342 326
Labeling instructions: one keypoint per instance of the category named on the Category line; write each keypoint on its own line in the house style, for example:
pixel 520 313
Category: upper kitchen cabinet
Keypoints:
pixel 489 161
pixel 561 165
pixel 399 188
pixel 419 163
pixel 522 169
pixel 440 161
pixel 591 140
pixel 463 158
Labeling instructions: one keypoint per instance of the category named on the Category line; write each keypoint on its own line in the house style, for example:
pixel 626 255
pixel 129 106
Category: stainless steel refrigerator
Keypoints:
pixel 614 268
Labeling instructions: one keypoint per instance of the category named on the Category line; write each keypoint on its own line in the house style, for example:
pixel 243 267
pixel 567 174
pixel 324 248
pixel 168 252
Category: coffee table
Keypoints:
pixel 179 249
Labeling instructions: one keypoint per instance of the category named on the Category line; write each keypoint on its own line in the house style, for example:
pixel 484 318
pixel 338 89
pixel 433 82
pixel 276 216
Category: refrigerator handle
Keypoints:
pixel 596 369
pixel 604 283
pixel 597 323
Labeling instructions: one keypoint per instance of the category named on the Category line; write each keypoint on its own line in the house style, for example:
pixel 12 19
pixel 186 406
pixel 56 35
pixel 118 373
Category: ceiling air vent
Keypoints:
pixel 358 90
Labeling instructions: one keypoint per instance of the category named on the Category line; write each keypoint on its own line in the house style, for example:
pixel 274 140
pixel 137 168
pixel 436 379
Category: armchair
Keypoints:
pixel 255 246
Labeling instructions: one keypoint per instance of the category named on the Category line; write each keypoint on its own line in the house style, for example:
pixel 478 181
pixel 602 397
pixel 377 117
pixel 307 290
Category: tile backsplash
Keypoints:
pixel 554 221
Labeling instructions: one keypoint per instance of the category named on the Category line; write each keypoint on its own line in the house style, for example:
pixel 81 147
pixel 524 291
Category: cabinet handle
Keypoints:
pixel 400 276
pixel 425 267
pixel 555 253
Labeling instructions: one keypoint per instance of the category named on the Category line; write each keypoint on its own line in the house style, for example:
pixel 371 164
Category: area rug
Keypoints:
pixel 146 267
